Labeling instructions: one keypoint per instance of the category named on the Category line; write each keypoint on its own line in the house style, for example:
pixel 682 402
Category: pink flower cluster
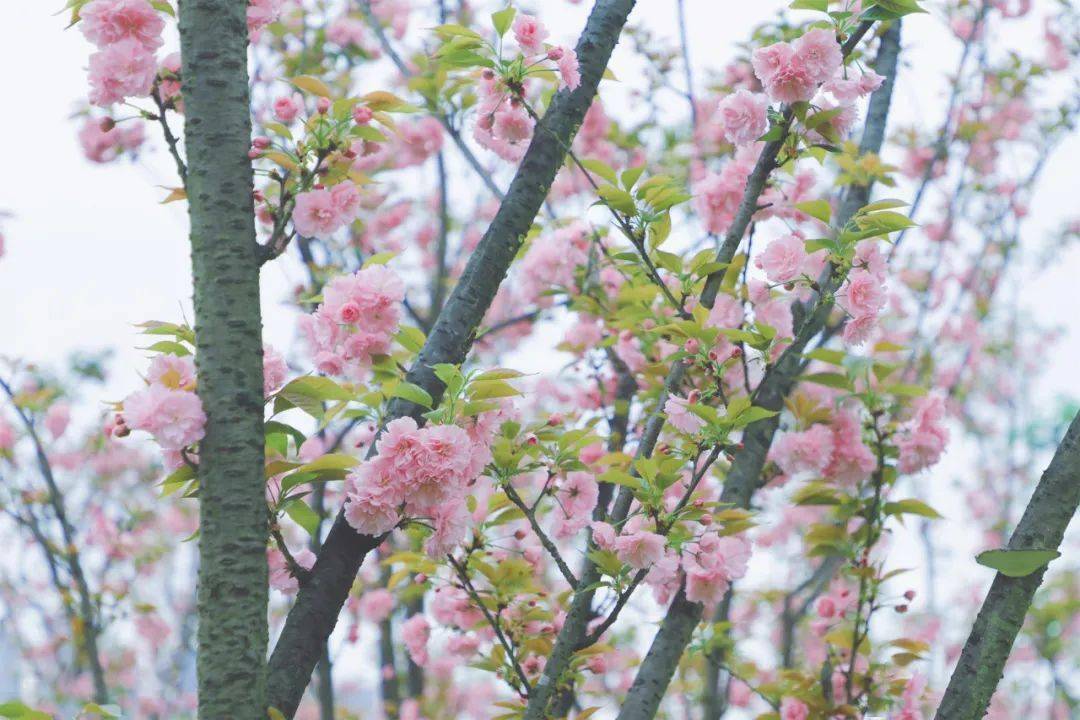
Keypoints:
pixel 322 212
pixel 863 294
pixel 681 418
pixel 576 498
pixel 102 140
pixel 791 72
pixel 261 13
pixel 551 261
pixel 834 451
pixel 281 577
pixel 530 34
pixel 717 195
pixel 503 127
pixel 127 33
pixel 925 436
pixel 783 258
pixel 168 407
pixel 743 115
pixel 417 472
pixel 793 709
pixel 808 451
pixel 357 320
pixel 711 563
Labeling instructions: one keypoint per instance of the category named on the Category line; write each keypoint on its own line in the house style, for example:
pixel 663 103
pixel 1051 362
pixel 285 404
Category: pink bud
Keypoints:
pixel 555 53
pixel 323 105
pixel 262 142
pixel 362 114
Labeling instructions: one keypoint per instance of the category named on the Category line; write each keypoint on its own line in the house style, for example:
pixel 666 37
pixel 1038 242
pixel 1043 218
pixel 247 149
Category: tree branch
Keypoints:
pixel 982 661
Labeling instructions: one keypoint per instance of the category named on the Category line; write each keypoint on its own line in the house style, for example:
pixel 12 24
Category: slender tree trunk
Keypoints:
pixel 319 602
pixel 982 661
pixel 228 328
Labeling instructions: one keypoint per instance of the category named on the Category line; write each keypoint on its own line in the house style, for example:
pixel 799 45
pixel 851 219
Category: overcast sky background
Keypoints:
pixel 90 252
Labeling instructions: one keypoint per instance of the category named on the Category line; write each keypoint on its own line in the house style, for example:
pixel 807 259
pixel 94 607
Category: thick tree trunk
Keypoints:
pixel 319 602
pixel 233 517
pixel 982 661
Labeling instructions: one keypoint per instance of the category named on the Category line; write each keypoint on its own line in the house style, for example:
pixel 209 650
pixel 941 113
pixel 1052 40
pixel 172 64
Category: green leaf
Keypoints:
pixel 630 176
pixel 502 20
pixel 819 5
pixel 833 357
pixel 833 380
pixel 312 84
pixel 410 338
pixel 911 506
pixel 600 168
pixel 329 464
pixel 819 209
pixel 18 711
pixel 1016 563
pixel 303 516
pixel 618 199
pixel 413 393
pixel 891 9
pixel 109 711
pixel 165 7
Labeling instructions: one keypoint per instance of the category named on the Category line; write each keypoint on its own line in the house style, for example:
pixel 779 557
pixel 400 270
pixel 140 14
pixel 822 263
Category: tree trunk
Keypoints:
pixel 228 328
pixel 982 661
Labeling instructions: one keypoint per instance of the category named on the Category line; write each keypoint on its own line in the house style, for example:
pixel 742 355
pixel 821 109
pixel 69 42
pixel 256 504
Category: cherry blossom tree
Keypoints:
pixel 615 390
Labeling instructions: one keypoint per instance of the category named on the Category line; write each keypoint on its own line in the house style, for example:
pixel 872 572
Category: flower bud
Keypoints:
pixel 362 114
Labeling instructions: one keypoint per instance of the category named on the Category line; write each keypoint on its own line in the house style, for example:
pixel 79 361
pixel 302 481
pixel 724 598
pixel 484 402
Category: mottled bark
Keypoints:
pixel 225 267
pixel 315 613
pixel 982 661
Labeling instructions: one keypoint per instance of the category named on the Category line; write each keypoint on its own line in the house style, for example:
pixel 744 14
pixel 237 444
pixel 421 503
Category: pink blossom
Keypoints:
pixel 807 451
pixel 603 535
pixel 862 294
pixel 107 22
pixel 152 628
pixel 791 73
pixel 275 370
pixel 57 418
pixel 530 34
pixel 121 70
pixel 281 577
pixel 575 499
pixel 376 605
pixel 711 563
pixel 174 417
pixel 640 549
pixel 7 435
pixel 852 461
pixel 783 258
pixel 825 607
pixel 172 371
pixel 819 53
pixel 681 418
pixel 451 521
pixel 322 212
pixel 415 633
pixel 924 438
pixel 568 69
pixel 793 709
pixel 261 13
pixel 288 107
pixel 102 140
pixel 744 117
pixel 726 312
pixel 513 124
